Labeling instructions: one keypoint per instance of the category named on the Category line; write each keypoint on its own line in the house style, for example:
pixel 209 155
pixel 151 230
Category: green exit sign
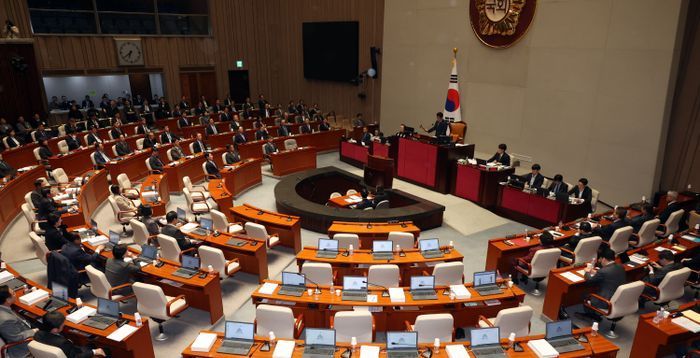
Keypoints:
pixel 239 64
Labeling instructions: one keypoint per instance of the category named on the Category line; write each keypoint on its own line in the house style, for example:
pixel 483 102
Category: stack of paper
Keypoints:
pixel 396 294
pixel 97 240
pixel 691 238
pixel 283 349
pixel 203 342
pixel 122 332
pixel 460 292
pixel 5 276
pixel 149 194
pixel 456 351
pixel 34 297
pixel 369 352
pixel 267 288
pixel 572 276
pixel 189 227
pixel 69 202
pixel 542 348
pixel 692 315
pixel 687 324
pixel 82 314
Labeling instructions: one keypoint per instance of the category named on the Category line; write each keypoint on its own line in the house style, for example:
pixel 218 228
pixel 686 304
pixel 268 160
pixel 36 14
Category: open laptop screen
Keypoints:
pixel 190 262
pixel 327 245
pixel 59 291
pixel 107 307
pixel 181 214
pixel 149 252
pixel 484 278
pixel 422 282
pixel 354 283
pixel 320 337
pixel 401 340
pixel 429 244
pixel 239 330
pixel 206 223
pixel 485 336
pixel 558 329
pixel 293 279
pixel 382 246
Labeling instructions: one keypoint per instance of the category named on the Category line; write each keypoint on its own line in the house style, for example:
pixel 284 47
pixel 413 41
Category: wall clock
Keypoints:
pixel 129 52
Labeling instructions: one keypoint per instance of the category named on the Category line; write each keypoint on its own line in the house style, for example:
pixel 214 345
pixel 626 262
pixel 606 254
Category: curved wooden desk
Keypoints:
pixel 657 340
pixel 318 309
pixel 291 161
pixel 190 166
pixel 159 183
pixel 413 264
pixel 369 232
pixel 220 195
pixel 92 194
pixel 242 176
pixel 12 194
pixel 287 227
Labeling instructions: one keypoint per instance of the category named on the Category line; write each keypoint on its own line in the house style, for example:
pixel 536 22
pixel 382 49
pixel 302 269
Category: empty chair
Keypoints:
pixel 623 302
pixel 221 223
pixel 152 302
pixel 122 217
pixel 257 231
pixel 195 189
pixel 278 319
pixel 646 234
pixel 594 199
pixel 386 275
pixel 620 239
pixel 40 249
pixel 139 143
pixel 431 326
pixel 384 204
pixel 197 207
pixel 350 192
pixel 345 240
pixel 537 270
pixel 100 287
pixel 510 320
pixel 141 236
pixel 318 272
pixel 63 146
pixel 693 219
pixel 672 287
pixel 41 350
pixel 671 224
pixel 211 256
pixel 358 324
pixel 34 224
pixel 125 186
pixel 449 273
pixel 290 144
pixel 60 176
pixel 586 250
pixel 335 194
pixel 404 239
pixel 169 249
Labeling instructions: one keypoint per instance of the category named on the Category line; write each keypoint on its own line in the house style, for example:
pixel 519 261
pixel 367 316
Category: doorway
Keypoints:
pixel 239 85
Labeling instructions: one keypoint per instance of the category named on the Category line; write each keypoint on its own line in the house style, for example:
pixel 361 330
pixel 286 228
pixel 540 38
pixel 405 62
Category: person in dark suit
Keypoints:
pixel 262 134
pixel 167 137
pixel 50 334
pixel 71 127
pixel 365 203
pixel 120 272
pixel 184 122
pixel 23 128
pixel 379 196
pixel 262 103
pixel 358 121
pixel 40 133
pixel 93 122
pixel 546 242
pixel 231 156
pixel 582 191
pixel 239 138
pixel 671 206
pixel 217 107
pixel 439 127
pixel 501 156
pixel 534 179
pixel 123 147
pixel 12 140
pixel 306 127
pixel 211 128
pixel 36 194
pixel 283 130
pixel 176 153
pixel 184 105
pixel 198 145
pixel 170 229
pixel 558 185
pixel 150 141
pixel 366 139
pixel 142 128
pixel 155 162
pixel 584 231
pixel 100 157
pixel 74 252
pixel 87 102
pixel 117 130
pixel 146 214
pixel 55 236
pixel 269 148
pixel 226 115
pixel 607 278
pixel 324 126
pixel 619 221
pixel 639 220
pixel 13 328
pixel 212 168
pixel 72 141
pixel 5 168
pixel 93 137
pixel 44 151
pixel 657 271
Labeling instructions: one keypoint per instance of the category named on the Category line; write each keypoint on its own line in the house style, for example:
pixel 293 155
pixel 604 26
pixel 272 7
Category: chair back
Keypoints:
pixel 191 147
pixel 219 220
pixel 99 286
pixel 29 216
pixel 114 150
pixel 148 164
pixel 386 275
pixel 514 320
pixel 348 324
pixel 384 204
pixel 625 300
pixel 188 183
pixel 169 249
pixel 594 199
pixel 139 143
pixel 318 272
pixel 223 158
pixel 620 239
pixel 673 285
pixel 36 153
pixel 335 194
pixel 28 200
pixel 647 233
pixel 256 231
pixel 212 256
pixel 276 319
pixel 63 146
pixel 431 326
pixel 673 221
pixel 204 170
pixel 290 144
pixel 62 130
pixel 345 240
pixel 113 205
pixel 4 142
pixel 169 153
pixel 543 261
pixel 60 176
pixel 41 350
pixel 350 192
pixel 150 300
pixel 124 182
pixel 449 273
pixel 141 233
pixel 404 239
pixel 587 249
pixel 40 249
pixel 92 158
pixel 458 131
pixel 85 139
pixel 693 219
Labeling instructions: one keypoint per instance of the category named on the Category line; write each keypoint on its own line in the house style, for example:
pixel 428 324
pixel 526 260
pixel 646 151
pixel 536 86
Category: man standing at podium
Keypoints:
pixel 439 127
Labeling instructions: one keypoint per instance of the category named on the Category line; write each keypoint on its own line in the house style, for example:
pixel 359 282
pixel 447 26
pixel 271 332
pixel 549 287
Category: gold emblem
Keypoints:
pixel 499 17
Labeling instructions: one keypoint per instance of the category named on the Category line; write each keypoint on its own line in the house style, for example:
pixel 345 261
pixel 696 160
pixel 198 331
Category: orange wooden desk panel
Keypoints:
pixel 134 166
pixel 291 161
pixel 137 345
pixel 317 309
pixel 369 232
pixel 322 141
pixel 159 182
pixel 12 194
pixel 656 340
pixel 21 156
pixel 253 148
pixel 191 167
pixel 242 176
pixel 91 195
pixel 287 227
pixel 252 256
pixel 341 203
pixel 220 195
pixel 413 264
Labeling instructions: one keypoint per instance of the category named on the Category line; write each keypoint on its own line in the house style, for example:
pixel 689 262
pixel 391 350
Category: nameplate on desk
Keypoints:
pixel 122 332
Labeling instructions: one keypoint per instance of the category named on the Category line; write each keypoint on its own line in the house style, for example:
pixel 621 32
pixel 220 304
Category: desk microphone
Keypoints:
pixel 386 290
pixel 318 288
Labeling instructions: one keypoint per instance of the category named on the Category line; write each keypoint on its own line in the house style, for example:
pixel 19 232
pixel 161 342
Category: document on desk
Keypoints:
pixel 203 342
pixel 542 348
pixel 396 294
pixel 687 324
pixel 571 276
pixel 456 351
pixel 6 276
pixel 122 332
pixel 691 238
pixel 97 240
pixel 369 352
pixel 189 227
pixel 283 349
pixel 661 248
pixel 692 315
pixel 267 288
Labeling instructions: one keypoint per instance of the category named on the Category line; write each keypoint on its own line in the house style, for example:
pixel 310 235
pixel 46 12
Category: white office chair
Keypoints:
pixel 386 275
pixel 404 239
pixel 60 176
pixel 152 302
pixel 141 235
pixel 384 204
pixel 345 240
pixel 169 153
pixel 624 301
pixel 335 194
pixel 672 287
pixel 148 165
pixel 318 272
pixel 31 219
pixel 537 270
pixel 126 188
pixel 61 130
pixel 63 146
pixel 92 159
pixel 41 350
pixel 32 134
pixel 223 158
pixel 290 144
pixel 693 219
pixel 100 287
pixel 28 200
pixel 594 199
pixel 449 273
pixel 169 249
pixel 122 217
pixel 197 206
pixel 195 189
pixel 221 223
pixel 646 234
pixel 40 249
pixel 139 143
pixel 510 320
pixel 671 224
pixel 546 183
pixel 281 320
pixel 350 192
pixel 4 142
pixel 211 256
pixel 620 239
pixel 114 150
pixel 259 232
pixel 586 250
pixel 36 153
pixel 358 324
pixel 191 146
pixel 85 139
pixel 431 326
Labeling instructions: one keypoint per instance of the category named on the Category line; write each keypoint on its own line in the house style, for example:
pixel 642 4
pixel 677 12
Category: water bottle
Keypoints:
pixel 436 345
pixel 594 329
pixel 137 318
pixel 78 302
pixel 644 199
pixel 353 343
pixel 511 339
pixel 272 338
pixel 658 317
pixel 350 249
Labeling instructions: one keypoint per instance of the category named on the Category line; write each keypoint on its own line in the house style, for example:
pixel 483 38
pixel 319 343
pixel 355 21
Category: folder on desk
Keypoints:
pixel 692 315
pixel 572 277
pixel 456 351
pixel 283 349
pixel 122 332
pixel 687 324
pixel 396 294
pixel 203 342
pixel 34 297
pixel 267 288
pixel 369 352
pixel 460 292
pixel 5 276
pixel 82 314
pixel 542 348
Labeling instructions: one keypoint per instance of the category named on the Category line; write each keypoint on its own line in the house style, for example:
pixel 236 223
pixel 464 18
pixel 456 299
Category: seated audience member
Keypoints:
pixel 365 203
pixel 584 231
pixel 198 145
pixel 306 127
pixel 501 156
pixel 47 205
pixel 176 153
pixel 155 162
pixel 211 167
pixel 51 334
pixel 150 141
pixel 639 220
pixel 658 270
pixel 6 169
pixel 124 204
pixel 167 137
pixel 534 179
pixel 211 128
pixel 93 137
pixel 183 121
pixel 283 130
pixel 44 151
pixel 324 126
pixel 262 133
pixel 672 206
pixel 607 278
pixel 142 128
pixel 13 328
pixel 146 213
pixel 582 191
pixel 72 141
pixel 36 195
pixel 77 256
pixel 270 147
pixel 546 242
pixel 40 133
pixel 12 140
pixel 619 221
pixel 232 155
pixel 379 196
pixel 117 131
pixel 239 138
pixel 366 138
pixel 123 148
pixel 118 271
pixel 55 235
pixel 100 157
pixel 171 229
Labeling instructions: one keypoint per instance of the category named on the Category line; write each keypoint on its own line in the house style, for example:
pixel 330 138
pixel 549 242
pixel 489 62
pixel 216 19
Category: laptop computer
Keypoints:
pixel 107 314
pixel 147 255
pixel 91 232
pixel 485 283
pixel 430 248
pixel 59 298
pixel 423 288
pixel 354 288
pixel 486 342
pixel 382 249
pixel 320 343
pixel 238 338
pixel 113 240
pixel 181 216
pixel 327 248
pixel 559 335
pixel 293 284
pixel 206 226
pixel 190 267
pixel 402 344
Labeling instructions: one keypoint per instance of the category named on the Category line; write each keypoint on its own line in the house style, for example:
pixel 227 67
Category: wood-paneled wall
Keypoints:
pixel 265 34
